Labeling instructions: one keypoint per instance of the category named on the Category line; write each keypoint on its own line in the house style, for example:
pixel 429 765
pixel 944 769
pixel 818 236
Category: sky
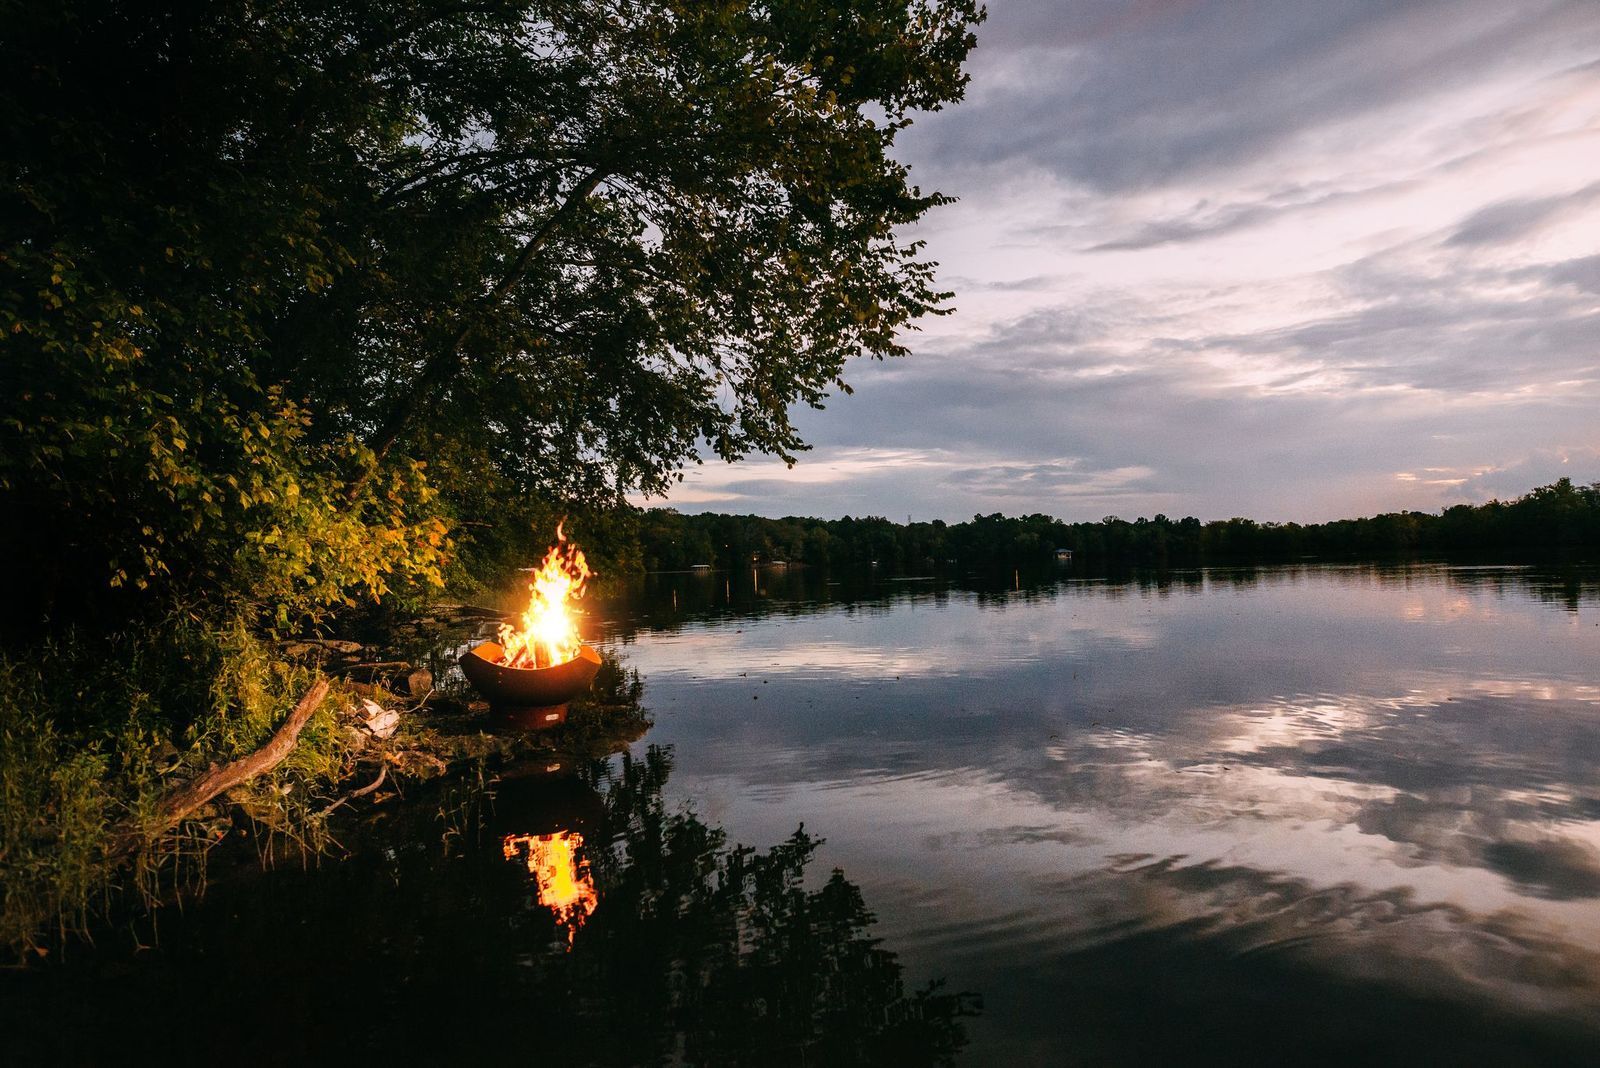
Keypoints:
pixel 1286 259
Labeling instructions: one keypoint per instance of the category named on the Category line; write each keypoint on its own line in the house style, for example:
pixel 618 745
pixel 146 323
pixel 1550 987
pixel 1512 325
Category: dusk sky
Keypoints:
pixel 1289 259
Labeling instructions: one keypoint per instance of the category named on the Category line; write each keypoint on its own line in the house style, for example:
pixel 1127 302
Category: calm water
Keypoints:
pixel 1257 812
pixel 1264 816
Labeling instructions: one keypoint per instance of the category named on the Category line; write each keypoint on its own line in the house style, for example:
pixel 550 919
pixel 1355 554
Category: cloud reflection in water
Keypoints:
pixel 1361 776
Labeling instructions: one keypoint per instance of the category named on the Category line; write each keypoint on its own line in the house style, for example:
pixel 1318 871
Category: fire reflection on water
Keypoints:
pixel 565 885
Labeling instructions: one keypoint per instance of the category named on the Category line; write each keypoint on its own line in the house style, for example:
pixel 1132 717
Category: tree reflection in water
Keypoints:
pixel 696 952
pixel 716 954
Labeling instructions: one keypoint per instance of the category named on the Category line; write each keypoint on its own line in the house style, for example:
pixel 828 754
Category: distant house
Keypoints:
pixel 1063 556
pixel 699 567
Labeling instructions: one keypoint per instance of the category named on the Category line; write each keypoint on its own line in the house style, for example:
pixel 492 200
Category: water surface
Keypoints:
pixel 1252 813
pixel 1286 815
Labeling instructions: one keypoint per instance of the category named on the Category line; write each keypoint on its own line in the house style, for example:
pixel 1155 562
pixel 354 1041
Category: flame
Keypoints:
pixel 565 885
pixel 549 633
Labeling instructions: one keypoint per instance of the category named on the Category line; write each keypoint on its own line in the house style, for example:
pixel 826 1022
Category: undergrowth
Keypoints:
pixel 92 734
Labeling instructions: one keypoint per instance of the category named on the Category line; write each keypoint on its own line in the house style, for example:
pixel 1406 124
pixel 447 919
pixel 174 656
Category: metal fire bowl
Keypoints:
pixel 532 697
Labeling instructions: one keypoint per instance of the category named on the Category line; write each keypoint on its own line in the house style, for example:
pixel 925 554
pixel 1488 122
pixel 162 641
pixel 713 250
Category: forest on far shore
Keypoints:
pixel 1558 518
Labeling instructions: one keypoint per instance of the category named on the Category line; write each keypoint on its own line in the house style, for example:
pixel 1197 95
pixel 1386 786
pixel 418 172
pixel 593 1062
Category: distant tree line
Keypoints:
pixel 1561 517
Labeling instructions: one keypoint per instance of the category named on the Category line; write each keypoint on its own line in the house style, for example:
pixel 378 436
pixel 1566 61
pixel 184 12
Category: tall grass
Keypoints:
pixel 93 733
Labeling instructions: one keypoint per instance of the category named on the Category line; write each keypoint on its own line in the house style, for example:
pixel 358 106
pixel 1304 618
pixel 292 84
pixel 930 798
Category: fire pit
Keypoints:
pixel 531 673
pixel 527 696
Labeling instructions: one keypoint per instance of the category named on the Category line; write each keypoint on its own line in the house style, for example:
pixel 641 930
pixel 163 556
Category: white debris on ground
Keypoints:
pixel 376 720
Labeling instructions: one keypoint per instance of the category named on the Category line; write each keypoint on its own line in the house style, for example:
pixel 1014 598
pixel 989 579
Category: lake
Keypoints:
pixel 1263 815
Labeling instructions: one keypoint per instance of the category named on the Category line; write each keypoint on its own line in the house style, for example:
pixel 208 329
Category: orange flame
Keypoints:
pixel 565 885
pixel 549 634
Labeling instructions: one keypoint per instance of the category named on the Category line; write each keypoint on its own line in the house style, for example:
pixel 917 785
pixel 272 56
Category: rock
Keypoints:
pixel 320 649
pixel 419 683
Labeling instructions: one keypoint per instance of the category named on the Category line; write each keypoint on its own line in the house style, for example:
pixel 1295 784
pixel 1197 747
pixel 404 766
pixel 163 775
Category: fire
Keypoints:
pixel 549 633
pixel 565 885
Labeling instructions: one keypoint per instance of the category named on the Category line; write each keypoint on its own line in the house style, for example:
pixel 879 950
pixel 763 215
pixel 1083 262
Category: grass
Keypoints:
pixel 92 734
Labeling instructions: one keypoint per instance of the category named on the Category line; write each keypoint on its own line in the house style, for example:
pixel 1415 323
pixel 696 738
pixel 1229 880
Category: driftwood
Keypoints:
pixel 373 670
pixel 191 795
pixel 383 772
pixel 377 665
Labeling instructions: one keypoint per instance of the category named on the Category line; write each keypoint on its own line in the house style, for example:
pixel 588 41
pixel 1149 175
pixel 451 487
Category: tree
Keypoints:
pixel 547 248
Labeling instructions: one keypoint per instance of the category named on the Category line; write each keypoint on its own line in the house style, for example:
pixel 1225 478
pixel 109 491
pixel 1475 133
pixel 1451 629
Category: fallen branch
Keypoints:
pixel 191 795
pixel 373 785
pixel 383 771
pixel 372 670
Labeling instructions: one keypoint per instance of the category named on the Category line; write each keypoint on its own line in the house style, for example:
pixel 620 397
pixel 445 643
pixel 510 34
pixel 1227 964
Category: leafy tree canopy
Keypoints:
pixel 272 272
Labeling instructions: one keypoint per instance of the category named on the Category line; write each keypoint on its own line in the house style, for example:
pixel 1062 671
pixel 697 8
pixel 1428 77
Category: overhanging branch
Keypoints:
pixel 446 361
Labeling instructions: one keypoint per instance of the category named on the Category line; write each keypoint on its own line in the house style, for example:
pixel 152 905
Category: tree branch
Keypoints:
pixel 383 773
pixel 444 363
pixel 191 795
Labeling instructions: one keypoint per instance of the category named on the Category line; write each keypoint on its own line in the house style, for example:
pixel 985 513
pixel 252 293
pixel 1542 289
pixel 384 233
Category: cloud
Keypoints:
pixel 1052 480
pixel 1582 274
pixel 1261 258
pixel 1539 468
pixel 1212 86
pixel 1508 220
